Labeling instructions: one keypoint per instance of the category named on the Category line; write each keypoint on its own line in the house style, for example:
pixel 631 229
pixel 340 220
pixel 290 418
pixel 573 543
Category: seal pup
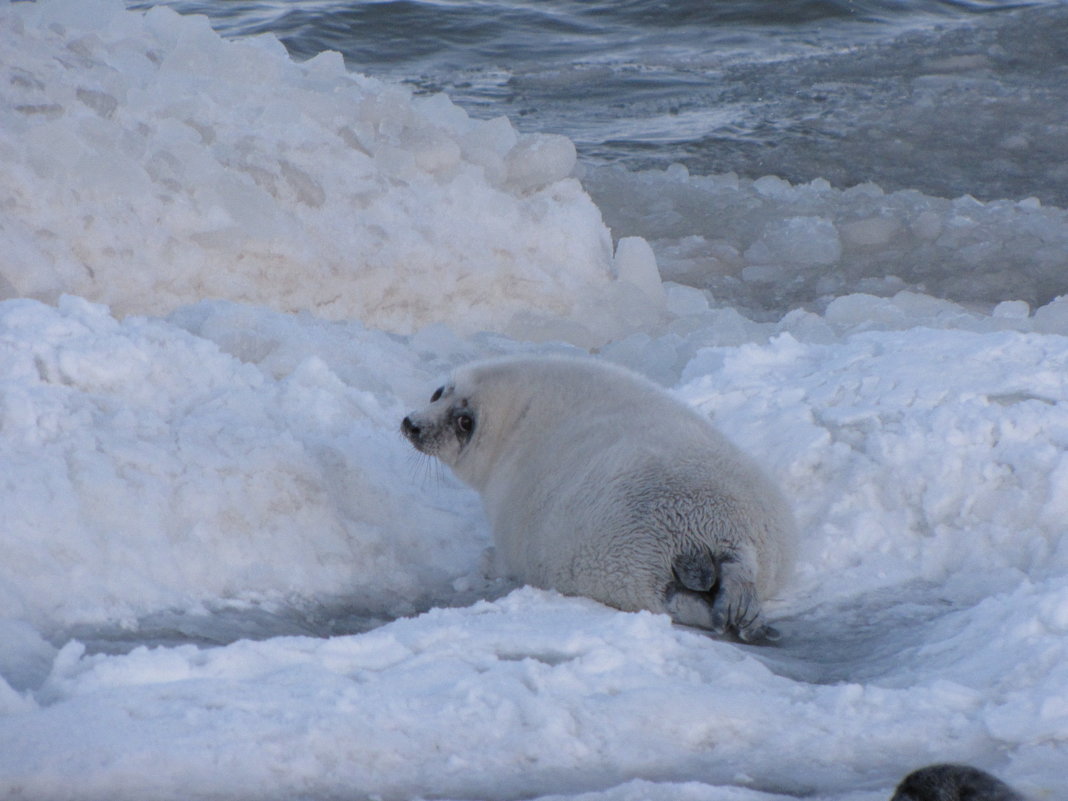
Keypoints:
pixel 953 783
pixel 599 483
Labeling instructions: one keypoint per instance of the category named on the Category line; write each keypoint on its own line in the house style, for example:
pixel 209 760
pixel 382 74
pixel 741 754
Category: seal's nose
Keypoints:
pixel 410 429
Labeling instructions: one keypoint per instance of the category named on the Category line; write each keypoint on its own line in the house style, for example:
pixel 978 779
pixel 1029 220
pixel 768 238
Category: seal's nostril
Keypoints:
pixel 409 428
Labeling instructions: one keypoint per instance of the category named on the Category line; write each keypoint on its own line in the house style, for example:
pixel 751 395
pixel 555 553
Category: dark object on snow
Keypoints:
pixel 953 783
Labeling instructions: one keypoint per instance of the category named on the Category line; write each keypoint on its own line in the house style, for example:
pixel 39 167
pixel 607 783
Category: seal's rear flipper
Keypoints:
pixel 695 570
pixel 718 594
pixel 762 635
pixel 689 597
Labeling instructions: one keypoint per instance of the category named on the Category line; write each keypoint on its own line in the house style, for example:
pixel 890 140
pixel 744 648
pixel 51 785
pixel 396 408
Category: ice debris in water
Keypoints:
pixel 768 246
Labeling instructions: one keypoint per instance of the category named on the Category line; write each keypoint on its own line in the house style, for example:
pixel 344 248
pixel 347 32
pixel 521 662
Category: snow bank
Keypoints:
pixel 768 246
pixel 917 455
pixel 233 472
pixel 236 453
pixel 145 469
pixel 148 163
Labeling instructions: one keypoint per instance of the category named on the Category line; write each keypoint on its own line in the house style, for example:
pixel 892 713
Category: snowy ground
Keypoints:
pixel 224 575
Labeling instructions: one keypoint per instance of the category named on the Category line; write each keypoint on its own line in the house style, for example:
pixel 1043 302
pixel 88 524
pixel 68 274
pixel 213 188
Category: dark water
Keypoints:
pixel 949 98
pixel 460 34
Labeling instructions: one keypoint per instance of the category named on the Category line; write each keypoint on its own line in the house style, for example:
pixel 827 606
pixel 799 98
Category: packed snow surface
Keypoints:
pixel 225 575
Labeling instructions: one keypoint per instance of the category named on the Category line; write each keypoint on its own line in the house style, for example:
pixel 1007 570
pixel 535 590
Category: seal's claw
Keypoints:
pixel 759 635
pixel 736 607
pixel 719 622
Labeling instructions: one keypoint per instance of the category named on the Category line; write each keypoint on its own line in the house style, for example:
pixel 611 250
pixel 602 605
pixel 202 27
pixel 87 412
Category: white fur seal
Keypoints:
pixel 599 483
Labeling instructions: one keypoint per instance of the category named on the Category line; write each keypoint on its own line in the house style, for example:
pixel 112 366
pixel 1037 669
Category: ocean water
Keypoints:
pixel 949 98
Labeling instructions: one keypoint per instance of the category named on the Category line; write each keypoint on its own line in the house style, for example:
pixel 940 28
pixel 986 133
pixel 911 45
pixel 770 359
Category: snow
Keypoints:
pixel 225 575
pixel 147 139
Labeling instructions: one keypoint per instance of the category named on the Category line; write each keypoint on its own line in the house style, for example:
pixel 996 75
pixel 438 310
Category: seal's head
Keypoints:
pixel 473 419
pixel 512 409
pixel 445 427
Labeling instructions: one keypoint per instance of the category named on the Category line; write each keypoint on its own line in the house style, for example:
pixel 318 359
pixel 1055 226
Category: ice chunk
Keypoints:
pixel 25 658
pixel 1053 317
pixel 538 160
pixel 1012 310
pixel 872 231
pixel 773 186
pixel 927 225
pixel 684 300
pixel 805 241
pixel 635 263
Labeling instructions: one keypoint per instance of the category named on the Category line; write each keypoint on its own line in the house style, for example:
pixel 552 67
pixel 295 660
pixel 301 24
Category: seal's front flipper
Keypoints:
pixel 491 565
pixel 690 609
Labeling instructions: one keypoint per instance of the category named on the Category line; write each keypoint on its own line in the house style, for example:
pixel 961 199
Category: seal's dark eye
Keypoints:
pixel 437 394
pixel 465 423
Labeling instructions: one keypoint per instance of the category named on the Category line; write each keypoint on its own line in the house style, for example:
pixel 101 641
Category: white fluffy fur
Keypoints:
pixel 599 483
